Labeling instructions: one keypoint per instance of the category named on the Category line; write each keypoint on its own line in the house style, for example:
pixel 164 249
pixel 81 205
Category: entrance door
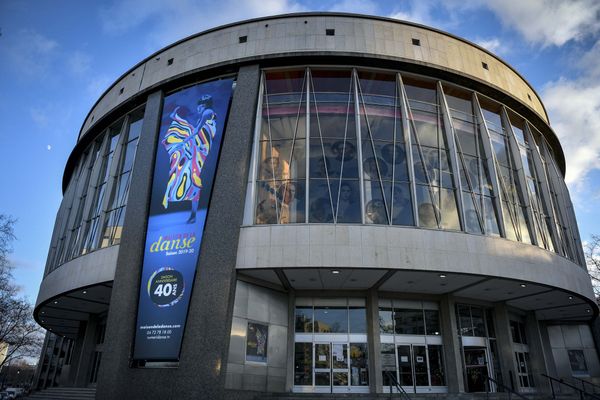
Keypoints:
pixel 331 367
pixel 412 366
pixel 476 368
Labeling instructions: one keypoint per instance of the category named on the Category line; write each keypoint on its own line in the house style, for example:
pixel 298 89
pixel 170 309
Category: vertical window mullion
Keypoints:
pixel 307 134
pixel 484 133
pixel 408 145
pixel 521 182
pixel 251 202
pixel 359 146
pixel 450 135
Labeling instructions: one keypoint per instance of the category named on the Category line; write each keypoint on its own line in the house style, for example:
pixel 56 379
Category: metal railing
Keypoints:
pixel 393 382
pixel 583 395
pixel 508 389
pixel 595 388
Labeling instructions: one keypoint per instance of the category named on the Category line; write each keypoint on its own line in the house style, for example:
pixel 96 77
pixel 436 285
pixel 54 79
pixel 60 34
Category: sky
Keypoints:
pixel 57 57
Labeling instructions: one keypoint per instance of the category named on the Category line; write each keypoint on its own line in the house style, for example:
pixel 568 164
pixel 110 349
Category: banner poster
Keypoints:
pixel 190 136
pixel 256 342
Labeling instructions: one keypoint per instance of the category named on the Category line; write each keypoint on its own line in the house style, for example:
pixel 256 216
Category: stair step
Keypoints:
pixel 64 393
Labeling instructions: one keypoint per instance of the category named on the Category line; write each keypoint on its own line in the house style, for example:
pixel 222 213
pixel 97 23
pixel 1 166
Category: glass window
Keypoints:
pixel 388 362
pixel 257 336
pixel 478 322
pixel 578 363
pixel 331 320
pixel 386 321
pixel 358 319
pixel 409 322
pixel 432 322
pixel 436 365
pixel 303 318
pixel 517 330
pixel 464 319
pixel 303 364
pixel 359 364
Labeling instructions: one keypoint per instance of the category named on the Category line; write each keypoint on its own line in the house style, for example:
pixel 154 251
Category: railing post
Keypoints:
pixel 552 387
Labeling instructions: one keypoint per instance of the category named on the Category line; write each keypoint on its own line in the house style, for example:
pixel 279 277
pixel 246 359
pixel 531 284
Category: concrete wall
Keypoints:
pixel 572 337
pixel 91 269
pixel 306 33
pixel 396 247
pixel 265 306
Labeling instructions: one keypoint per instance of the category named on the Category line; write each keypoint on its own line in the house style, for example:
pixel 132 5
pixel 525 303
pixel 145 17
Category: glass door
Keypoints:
pixel 331 367
pixel 405 367
pixel 476 368
pixel 339 367
pixel 412 366
pixel 322 366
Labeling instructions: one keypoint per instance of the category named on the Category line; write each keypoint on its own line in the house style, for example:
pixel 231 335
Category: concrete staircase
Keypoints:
pixel 411 396
pixel 64 393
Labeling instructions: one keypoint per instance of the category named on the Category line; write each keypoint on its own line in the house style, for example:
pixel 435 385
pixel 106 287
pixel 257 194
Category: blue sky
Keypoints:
pixel 57 57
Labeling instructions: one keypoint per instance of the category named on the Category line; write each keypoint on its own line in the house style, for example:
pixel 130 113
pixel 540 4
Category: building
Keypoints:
pixel 389 203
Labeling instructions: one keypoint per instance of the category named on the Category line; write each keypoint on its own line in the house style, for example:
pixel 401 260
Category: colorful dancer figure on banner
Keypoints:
pixel 188 146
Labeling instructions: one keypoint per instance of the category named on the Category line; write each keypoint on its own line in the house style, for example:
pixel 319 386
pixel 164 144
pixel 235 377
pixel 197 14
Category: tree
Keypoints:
pixel 20 335
pixel 592 259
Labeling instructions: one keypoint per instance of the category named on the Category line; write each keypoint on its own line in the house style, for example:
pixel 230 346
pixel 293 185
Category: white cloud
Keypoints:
pixel 180 18
pixel 29 53
pixel 573 107
pixel 79 63
pixel 97 85
pixel 420 12
pixel 356 6
pixel 493 45
pixel 549 22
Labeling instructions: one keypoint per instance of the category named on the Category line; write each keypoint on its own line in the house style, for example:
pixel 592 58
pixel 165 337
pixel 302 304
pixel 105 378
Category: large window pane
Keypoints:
pixel 331 320
pixel 386 321
pixel 409 322
pixel 304 322
pixel 357 319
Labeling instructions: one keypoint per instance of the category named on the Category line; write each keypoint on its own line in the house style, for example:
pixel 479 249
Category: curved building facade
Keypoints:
pixel 316 203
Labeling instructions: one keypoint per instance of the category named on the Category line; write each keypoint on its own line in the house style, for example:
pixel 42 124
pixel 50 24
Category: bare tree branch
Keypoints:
pixel 592 259
pixel 18 330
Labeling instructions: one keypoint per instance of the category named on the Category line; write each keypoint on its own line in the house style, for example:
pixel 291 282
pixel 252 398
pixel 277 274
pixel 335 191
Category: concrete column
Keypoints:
pixel 289 379
pixel 505 348
pixel 451 345
pixel 115 379
pixel 374 342
pixel 537 353
pixel 88 346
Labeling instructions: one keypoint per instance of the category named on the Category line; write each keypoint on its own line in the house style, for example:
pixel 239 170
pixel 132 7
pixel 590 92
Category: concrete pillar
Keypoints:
pixel 374 342
pixel 451 345
pixel 537 353
pixel 88 346
pixel 505 347
pixel 289 380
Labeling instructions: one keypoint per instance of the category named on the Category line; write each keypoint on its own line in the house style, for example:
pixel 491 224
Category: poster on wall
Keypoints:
pixel 256 342
pixel 191 132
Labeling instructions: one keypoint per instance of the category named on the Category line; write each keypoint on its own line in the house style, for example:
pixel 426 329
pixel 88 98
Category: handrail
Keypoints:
pixel 510 391
pixel 394 381
pixel 582 393
pixel 584 382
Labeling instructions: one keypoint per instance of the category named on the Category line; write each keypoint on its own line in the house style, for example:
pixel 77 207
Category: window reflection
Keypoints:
pixel 362 175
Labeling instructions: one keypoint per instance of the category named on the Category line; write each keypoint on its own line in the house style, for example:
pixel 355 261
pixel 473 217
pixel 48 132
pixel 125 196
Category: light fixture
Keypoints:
pixel 523 285
pixel 43 312
pixel 570 297
pixel 335 271
pixel 85 291
pixel 442 276
pixel 588 310
pixel 55 301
